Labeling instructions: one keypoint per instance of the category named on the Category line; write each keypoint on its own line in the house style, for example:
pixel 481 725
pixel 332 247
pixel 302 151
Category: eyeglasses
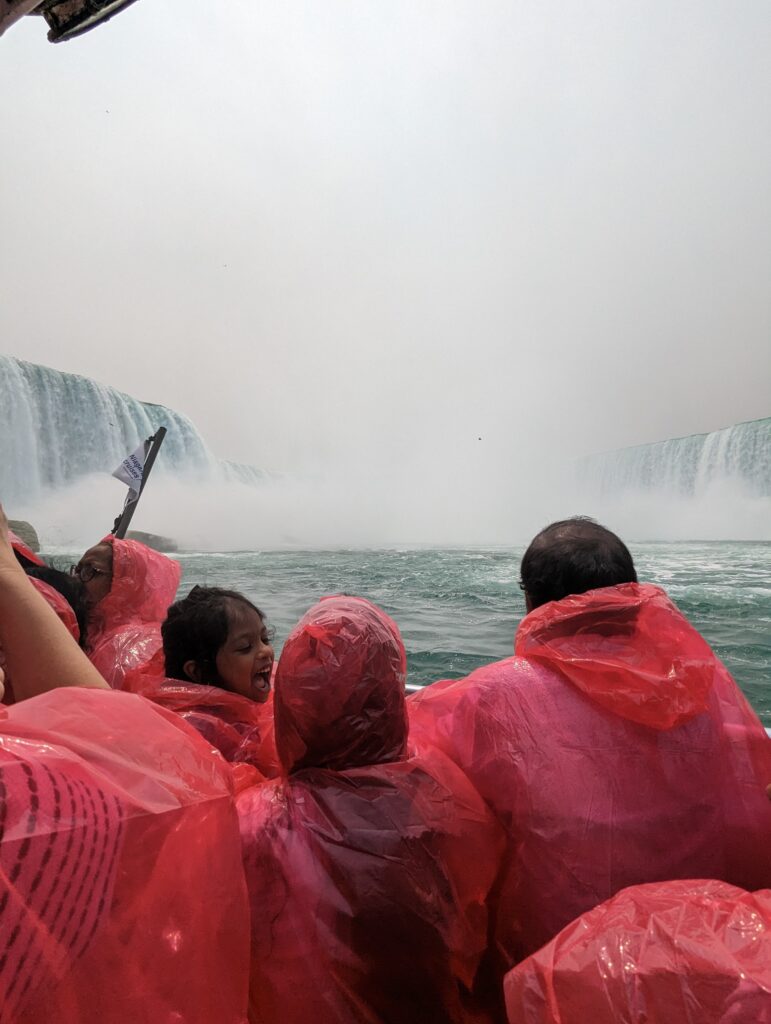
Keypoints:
pixel 85 573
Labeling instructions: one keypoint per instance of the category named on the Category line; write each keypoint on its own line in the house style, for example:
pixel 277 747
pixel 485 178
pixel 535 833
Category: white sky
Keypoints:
pixel 378 231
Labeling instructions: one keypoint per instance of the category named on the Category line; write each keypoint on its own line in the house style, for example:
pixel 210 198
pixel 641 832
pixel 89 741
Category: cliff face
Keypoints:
pixel 154 541
pixel 27 532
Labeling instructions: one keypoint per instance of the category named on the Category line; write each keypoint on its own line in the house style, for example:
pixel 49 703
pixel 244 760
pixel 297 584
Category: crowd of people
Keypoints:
pixel 192 832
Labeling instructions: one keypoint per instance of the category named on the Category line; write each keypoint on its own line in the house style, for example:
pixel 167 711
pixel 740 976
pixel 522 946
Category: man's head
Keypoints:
pixel 571 557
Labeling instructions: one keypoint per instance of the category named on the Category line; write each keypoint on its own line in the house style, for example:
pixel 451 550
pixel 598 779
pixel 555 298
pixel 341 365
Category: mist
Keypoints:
pixel 400 510
pixel 416 257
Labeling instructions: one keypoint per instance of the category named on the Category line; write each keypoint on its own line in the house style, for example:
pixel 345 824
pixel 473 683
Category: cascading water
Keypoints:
pixel 689 466
pixel 61 436
pixel 58 427
pixel 713 486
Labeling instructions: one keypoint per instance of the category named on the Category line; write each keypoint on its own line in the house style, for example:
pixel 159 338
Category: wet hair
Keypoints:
pixel 71 589
pixel 24 562
pixel 196 628
pixel 571 557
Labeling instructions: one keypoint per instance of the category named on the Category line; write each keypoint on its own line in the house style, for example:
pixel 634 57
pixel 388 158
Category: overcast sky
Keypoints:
pixel 383 229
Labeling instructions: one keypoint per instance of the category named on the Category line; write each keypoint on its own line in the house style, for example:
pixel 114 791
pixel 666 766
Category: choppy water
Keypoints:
pixel 459 609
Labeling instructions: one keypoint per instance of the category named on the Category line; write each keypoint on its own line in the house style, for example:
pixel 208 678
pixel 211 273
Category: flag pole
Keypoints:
pixel 121 524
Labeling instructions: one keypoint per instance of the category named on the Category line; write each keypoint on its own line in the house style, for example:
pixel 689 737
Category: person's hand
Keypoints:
pixel 8 560
pixel 4 527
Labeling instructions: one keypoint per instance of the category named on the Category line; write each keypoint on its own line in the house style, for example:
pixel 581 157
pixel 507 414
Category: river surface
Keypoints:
pixel 459 608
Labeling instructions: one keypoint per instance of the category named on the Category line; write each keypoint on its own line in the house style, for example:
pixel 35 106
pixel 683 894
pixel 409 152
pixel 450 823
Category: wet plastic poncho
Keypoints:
pixel 124 628
pixel 616 749
pixel 121 887
pixel 60 605
pixel 688 952
pixel 368 870
pixel 28 556
pixel 241 729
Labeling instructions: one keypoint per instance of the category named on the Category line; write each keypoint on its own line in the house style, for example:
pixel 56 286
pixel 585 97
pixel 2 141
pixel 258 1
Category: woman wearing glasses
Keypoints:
pixel 94 571
pixel 129 588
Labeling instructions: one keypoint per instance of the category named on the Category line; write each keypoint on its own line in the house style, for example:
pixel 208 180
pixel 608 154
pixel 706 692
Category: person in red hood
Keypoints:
pixel 368 869
pixel 694 952
pixel 129 588
pixel 614 747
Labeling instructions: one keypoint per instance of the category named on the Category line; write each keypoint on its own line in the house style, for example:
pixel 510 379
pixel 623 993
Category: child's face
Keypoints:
pixel 245 661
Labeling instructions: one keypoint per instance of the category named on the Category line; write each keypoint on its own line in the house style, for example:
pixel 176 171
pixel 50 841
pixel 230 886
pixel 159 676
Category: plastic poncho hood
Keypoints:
pixel 23 549
pixel 368 870
pixel 144 584
pixel 241 729
pixel 124 628
pixel 690 951
pixel 628 649
pixel 340 688
pixel 593 800
pixel 60 605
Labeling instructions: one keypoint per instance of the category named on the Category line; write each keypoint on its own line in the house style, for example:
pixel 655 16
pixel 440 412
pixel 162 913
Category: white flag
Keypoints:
pixel 131 470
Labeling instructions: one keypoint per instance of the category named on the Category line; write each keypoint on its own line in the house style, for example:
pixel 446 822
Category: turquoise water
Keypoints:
pixel 458 609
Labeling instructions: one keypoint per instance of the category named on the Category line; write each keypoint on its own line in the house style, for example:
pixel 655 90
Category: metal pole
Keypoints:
pixel 121 524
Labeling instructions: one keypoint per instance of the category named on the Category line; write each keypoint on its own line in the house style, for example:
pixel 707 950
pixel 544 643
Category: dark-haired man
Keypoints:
pixel 614 747
pixel 571 557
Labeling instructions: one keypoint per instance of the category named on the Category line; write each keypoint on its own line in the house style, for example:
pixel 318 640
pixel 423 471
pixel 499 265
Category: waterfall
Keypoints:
pixel 57 427
pixel 688 466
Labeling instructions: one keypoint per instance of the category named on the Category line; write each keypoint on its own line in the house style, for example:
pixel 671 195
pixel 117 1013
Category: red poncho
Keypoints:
pixel 22 549
pixel 368 870
pixel 121 889
pixel 615 749
pixel 241 729
pixel 60 605
pixel 689 952
pixel 124 629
